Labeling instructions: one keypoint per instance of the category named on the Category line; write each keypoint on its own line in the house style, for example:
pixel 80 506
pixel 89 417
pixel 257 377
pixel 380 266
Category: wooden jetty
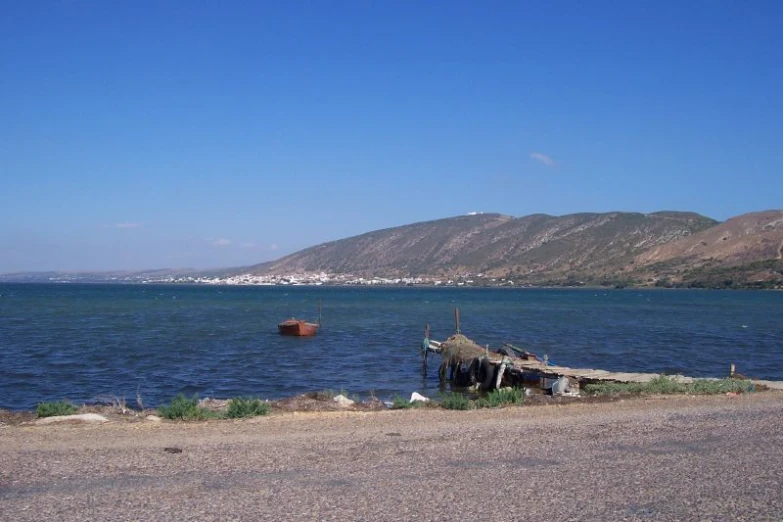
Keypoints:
pixel 524 370
pixel 591 376
pixel 467 363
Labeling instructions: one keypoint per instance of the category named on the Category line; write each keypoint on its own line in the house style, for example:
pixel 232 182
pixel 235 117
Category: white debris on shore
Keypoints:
pixel 417 397
pixel 342 400
pixel 88 418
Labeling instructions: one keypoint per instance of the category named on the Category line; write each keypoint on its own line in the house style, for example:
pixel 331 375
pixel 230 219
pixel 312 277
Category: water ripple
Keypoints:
pixel 85 341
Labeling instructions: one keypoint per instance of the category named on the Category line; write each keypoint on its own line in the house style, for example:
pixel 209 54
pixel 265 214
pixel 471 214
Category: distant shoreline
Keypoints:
pixel 389 285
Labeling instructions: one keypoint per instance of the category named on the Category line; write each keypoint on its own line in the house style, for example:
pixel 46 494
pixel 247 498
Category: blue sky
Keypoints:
pixel 138 135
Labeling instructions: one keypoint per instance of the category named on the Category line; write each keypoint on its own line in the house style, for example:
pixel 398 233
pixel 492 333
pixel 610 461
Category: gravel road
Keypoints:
pixel 683 458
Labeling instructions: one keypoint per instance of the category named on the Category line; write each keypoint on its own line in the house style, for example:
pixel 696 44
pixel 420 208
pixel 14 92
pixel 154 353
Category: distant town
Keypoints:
pixel 328 279
pixel 318 279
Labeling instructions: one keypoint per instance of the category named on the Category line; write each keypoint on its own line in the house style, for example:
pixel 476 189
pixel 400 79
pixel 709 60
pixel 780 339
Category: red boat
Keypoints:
pixel 300 327
pixel 297 327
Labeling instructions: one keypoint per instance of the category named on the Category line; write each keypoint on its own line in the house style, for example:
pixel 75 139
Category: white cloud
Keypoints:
pixel 273 247
pixel 221 242
pixel 247 244
pixel 127 225
pixel 543 158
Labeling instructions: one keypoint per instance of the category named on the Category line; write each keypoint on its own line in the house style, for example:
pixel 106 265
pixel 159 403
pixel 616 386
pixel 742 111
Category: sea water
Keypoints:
pixel 88 343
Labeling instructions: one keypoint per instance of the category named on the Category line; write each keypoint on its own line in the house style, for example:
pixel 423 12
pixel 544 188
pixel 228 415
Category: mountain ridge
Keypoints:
pixel 663 248
pixel 539 249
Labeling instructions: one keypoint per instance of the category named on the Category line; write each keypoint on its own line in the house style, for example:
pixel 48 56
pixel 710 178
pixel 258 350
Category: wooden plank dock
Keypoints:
pixel 458 351
pixel 586 375
pixel 590 375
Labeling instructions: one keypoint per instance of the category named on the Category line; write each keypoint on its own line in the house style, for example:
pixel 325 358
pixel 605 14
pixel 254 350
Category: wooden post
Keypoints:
pixel 425 349
pixel 456 317
pixel 501 371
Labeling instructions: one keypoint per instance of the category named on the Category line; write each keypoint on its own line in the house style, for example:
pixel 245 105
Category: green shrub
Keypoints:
pixel 664 385
pixel 661 385
pixel 400 403
pixel 722 386
pixel 455 401
pixel 51 409
pixel 497 398
pixel 185 408
pixel 239 408
pixel 480 403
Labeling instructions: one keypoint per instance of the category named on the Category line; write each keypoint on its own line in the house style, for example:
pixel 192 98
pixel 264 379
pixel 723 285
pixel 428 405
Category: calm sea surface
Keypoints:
pixel 86 342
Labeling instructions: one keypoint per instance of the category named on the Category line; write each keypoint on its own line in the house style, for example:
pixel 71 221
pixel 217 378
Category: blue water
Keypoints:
pixel 84 342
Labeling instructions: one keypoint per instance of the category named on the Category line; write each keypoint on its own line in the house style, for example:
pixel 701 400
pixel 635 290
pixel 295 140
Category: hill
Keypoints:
pixel 746 250
pixel 535 249
pixel 614 248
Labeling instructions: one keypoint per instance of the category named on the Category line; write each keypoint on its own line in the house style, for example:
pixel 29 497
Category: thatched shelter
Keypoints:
pixel 459 349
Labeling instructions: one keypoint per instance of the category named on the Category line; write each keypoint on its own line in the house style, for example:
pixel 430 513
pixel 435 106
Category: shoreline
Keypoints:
pixel 520 286
pixel 323 403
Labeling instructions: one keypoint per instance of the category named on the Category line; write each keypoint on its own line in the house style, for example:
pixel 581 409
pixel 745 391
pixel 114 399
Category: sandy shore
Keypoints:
pixel 683 458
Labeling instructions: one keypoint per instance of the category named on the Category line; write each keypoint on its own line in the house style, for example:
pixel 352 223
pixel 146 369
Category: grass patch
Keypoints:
pixel 667 386
pixel 401 403
pixel 498 398
pixel 722 386
pixel 52 409
pixel 239 408
pixel 455 401
pixel 185 408
pixel 494 399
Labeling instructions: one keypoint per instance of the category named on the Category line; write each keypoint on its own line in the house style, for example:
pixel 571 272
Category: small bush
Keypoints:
pixel 455 401
pixel 400 403
pixel 51 409
pixel 239 408
pixel 664 385
pixel 497 398
pixel 185 408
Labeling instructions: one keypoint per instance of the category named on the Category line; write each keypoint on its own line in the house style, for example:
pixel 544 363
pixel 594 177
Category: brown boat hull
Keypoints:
pixel 297 328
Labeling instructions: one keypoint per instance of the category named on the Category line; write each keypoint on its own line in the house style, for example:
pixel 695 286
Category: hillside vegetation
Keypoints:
pixel 615 248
